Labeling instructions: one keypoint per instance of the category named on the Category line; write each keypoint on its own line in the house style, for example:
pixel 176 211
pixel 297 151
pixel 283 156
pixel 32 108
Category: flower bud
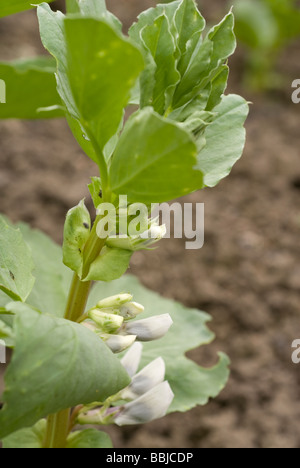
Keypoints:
pixel 109 323
pixel 114 301
pixel 138 242
pixel 149 329
pixel 131 310
pixel 132 359
pixel 152 405
pixel 145 380
pixel 155 233
pixel 118 343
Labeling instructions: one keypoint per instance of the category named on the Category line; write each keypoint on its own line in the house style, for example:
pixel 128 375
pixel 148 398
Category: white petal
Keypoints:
pixel 146 379
pixel 155 233
pixel 118 343
pixel 132 359
pixel 131 310
pixel 151 328
pixel 153 405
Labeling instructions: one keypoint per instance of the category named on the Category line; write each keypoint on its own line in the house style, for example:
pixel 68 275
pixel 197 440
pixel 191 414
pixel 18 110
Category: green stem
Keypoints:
pixel 101 163
pixel 57 429
pixel 78 297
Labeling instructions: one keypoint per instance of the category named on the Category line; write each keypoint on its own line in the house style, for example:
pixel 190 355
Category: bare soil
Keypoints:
pixel 247 276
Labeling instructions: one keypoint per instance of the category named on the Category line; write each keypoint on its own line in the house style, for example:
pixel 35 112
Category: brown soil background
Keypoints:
pixel 247 276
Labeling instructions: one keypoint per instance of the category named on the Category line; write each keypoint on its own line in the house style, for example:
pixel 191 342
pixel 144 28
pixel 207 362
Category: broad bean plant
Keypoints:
pixel 92 346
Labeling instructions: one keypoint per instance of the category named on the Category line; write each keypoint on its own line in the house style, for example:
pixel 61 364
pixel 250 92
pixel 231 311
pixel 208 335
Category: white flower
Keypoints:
pixel 132 359
pixel 145 380
pixel 152 405
pixel 118 343
pixel 114 301
pixel 149 329
pixel 131 310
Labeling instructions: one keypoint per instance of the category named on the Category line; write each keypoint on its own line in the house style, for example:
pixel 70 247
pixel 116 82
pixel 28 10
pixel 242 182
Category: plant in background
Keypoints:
pixel 68 321
pixel 265 27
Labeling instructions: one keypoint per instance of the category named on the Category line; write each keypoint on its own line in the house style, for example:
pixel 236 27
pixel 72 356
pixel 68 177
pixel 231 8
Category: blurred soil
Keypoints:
pixel 247 276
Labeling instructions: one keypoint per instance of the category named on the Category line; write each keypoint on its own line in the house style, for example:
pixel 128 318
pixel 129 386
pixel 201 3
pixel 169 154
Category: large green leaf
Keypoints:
pixel 89 438
pixel 154 160
pixel 56 364
pixel 225 140
pixel 30 86
pixel 9 7
pixel 190 383
pixel 97 67
pixel 53 279
pixel 102 69
pixel 53 38
pixel 16 263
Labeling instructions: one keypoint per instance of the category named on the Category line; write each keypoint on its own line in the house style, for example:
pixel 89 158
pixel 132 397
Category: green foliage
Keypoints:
pixel 9 7
pixel 16 263
pixel 32 83
pixel 162 154
pixel 265 27
pixel 89 438
pixel 28 438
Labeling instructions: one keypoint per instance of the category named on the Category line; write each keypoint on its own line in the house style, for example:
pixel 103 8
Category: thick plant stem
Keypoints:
pixel 78 297
pixel 57 429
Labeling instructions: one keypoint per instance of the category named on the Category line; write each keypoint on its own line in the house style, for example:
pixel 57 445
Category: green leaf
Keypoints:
pixel 188 21
pixel 9 7
pixel 16 263
pixel 148 17
pixel 89 438
pixel 158 39
pixel 56 364
pixel 190 383
pixel 146 21
pixel 110 265
pixel 29 438
pixel 154 160
pixel 80 135
pixel 30 88
pixel 203 59
pixel 217 87
pixel 76 233
pixel 53 38
pixel 225 140
pixel 53 278
pixel 102 69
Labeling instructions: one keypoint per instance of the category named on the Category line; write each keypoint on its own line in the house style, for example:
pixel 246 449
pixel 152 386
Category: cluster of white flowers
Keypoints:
pixel 148 395
pixel 112 321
